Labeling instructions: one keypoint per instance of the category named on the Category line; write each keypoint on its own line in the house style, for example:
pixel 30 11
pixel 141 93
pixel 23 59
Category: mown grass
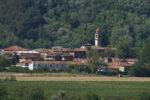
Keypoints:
pixel 44 74
pixel 79 89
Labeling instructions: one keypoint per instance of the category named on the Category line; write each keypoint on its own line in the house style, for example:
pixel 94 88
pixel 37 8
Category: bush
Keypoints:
pixel 107 54
pixel 124 50
pixel 18 70
pixel 92 96
pixel 99 63
pixel 3 93
pixel 73 68
pixel 11 78
pixel 61 96
pixel 41 70
pixel 108 73
pixel 2 69
pixel 30 93
pixel 140 70
pixel 3 64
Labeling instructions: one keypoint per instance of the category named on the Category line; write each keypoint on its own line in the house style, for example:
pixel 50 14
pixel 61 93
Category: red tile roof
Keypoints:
pixel 79 49
pixel 131 60
pixel 44 51
pixel 117 65
pixel 23 62
pixel 98 30
pixel 88 44
pixel 20 64
pixel 15 48
pixel 26 61
pixel 80 63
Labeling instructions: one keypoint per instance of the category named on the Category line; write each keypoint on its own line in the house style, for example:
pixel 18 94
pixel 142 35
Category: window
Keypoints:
pixel 26 64
pixel 109 59
pixel 96 36
pixel 63 58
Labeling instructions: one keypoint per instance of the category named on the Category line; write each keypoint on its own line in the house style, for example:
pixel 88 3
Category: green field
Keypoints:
pixel 80 89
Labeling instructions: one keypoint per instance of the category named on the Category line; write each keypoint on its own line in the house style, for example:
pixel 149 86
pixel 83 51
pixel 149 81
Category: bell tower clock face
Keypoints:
pixel 98 37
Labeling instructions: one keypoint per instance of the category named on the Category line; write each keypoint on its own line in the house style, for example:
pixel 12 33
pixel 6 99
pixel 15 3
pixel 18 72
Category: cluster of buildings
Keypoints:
pixel 59 57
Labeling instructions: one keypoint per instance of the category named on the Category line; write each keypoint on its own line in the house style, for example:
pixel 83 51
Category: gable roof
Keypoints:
pixel 15 48
pixel 88 44
pixel 131 60
pixel 27 61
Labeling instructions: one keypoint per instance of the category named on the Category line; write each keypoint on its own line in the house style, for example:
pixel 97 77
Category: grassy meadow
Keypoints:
pixel 125 90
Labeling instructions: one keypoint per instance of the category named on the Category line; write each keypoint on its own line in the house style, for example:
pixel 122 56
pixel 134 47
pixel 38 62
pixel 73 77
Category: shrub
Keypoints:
pixel 3 93
pixel 18 70
pixel 41 70
pixel 108 73
pixel 4 63
pixel 61 96
pixel 140 70
pixel 30 93
pixel 92 96
pixel 99 63
pixel 73 68
pixel 107 54
pixel 11 78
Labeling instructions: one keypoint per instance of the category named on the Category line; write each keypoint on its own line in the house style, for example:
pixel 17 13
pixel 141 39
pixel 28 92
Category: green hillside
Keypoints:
pixel 72 23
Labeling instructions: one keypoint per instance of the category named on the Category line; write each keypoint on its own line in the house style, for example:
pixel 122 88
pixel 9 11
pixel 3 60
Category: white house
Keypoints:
pixel 31 65
pixel 26 64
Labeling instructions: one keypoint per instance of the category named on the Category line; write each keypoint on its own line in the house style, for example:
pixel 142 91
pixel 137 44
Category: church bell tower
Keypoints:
pixel 98 38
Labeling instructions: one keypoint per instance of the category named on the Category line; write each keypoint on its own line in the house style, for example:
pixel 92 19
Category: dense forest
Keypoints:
pixel 72 23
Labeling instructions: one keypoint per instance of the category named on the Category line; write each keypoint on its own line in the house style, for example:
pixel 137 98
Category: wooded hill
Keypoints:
pixel 71 23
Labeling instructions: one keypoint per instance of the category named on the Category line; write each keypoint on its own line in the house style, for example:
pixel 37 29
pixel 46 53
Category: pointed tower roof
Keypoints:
pixel 98 30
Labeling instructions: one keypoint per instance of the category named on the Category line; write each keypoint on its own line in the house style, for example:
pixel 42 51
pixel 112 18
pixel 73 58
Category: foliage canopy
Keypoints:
pixel 71 23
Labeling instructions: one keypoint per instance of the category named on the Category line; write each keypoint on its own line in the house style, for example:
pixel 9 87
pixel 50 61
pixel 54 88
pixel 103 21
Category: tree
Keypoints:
pixel 138 6
pixel 120 34
pixel 39 23
pixel 145 54
pixel 108 54
pixel 4 63
pixel 140 70
pixel 74 68
pixel 15 59
pixel 123 50
pixel 74 20
pixel 93 56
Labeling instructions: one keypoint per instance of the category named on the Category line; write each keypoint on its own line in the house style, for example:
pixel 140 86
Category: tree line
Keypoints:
pixel 71 23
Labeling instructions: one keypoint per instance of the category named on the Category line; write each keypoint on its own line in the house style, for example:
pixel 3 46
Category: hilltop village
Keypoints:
pixel 59 57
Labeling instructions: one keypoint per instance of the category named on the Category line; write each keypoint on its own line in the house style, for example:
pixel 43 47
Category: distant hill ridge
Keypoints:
pixel 72 23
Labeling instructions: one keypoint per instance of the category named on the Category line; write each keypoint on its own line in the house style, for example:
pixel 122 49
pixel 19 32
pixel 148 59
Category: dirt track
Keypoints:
pixel 80 78
pixel 67 77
